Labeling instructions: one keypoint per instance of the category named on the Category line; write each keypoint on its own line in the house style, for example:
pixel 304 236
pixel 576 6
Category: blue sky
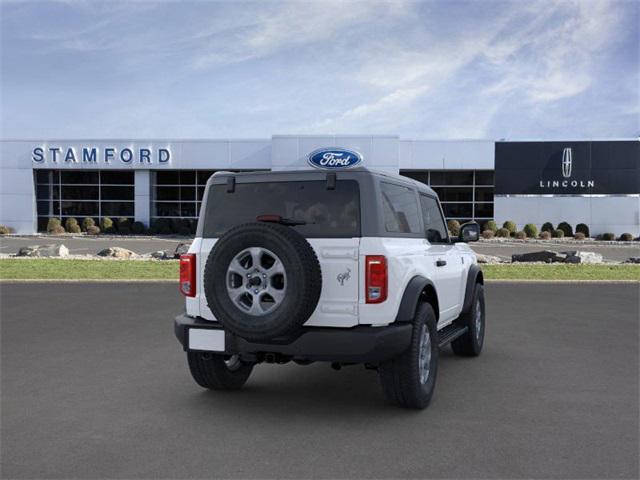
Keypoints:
pixel 422 70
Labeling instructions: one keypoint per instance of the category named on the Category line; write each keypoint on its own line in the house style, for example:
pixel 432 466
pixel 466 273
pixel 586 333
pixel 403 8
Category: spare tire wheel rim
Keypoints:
pixel 256 281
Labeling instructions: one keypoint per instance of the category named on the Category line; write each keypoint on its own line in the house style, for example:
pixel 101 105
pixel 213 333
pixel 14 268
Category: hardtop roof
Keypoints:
pixel 317 174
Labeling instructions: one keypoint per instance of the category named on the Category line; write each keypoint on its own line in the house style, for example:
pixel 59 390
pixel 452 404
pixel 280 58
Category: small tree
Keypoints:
pixel 454 227
pixel 626 237
pixel 88 222
pixel 583 228
pixel 607 236
pixel 52 224
pixel 531 230
pixel 491 225
pixel 138 228
pixel 4 230
pixel 124 226
pixel 511 226
pixel 106 225
pixel 503 233
pixel 566 228
pixel 547 227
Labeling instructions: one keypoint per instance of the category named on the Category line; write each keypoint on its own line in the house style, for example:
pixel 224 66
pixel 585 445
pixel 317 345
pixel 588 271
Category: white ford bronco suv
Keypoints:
pixel 349 266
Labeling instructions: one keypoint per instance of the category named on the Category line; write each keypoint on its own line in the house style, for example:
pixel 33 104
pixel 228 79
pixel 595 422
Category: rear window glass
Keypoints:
pixel 328 213
pixel 400 208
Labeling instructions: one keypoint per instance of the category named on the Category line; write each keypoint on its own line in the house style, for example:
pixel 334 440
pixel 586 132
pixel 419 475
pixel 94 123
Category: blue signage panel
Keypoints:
pixel 334 158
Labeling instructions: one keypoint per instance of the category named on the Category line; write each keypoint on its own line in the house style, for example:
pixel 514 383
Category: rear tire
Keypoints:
pixel 218 372
pixel 470 344
pixel 409 379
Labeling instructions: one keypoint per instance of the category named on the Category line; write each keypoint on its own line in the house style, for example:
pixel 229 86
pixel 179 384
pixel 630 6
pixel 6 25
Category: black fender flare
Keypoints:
pixel 474 276
pixel 411 297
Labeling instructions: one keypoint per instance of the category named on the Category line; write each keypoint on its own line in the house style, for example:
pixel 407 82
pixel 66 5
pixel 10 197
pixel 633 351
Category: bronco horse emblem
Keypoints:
pixel 343 277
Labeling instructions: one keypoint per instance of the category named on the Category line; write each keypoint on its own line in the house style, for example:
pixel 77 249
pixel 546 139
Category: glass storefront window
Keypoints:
pixel 465 194
pixel 90 193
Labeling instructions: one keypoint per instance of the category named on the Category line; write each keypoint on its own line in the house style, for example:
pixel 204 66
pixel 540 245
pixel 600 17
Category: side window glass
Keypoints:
pixel 435 228
pixel 400 209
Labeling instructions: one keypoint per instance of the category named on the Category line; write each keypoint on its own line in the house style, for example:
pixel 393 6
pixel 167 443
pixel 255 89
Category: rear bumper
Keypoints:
pixel 361 344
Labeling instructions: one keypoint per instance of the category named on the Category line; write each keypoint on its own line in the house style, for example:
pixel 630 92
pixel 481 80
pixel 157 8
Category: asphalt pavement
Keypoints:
pixel 91 245
pixel 94 385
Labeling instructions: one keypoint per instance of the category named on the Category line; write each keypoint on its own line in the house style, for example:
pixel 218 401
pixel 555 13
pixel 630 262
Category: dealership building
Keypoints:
pixel 596 182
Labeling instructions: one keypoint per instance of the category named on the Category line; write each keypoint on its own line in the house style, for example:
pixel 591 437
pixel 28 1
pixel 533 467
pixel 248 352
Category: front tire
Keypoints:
pixel 470 344
pixel 409 379
pixel 218 372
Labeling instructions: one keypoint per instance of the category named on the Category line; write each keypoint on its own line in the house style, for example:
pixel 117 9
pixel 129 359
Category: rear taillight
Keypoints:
pixel 188 275
pixel 376 278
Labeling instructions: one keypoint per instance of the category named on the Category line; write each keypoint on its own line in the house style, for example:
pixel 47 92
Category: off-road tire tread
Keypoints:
pixel 212 372
pixel 398 375
pixel 466 345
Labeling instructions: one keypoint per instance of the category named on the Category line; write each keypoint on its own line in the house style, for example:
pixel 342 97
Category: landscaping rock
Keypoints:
pixel 116 252
pixel 161 255
pixel 632 260
pixel 583 257
pixel 53 250
pixel 546 256
pixel 181 249
pixel 489 259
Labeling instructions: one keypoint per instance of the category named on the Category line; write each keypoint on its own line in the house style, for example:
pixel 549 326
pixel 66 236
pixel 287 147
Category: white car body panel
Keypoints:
pixel 342 301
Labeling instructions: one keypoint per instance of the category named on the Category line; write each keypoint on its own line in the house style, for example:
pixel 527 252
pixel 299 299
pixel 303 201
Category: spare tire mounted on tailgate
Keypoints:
pixel 262 281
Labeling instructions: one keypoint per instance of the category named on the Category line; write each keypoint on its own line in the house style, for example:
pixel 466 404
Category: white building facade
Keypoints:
pixel 592 182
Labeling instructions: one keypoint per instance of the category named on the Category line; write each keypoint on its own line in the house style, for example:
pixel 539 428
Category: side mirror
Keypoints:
pixel 469 232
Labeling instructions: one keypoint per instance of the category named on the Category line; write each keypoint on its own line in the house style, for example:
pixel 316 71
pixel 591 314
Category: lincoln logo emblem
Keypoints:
pixel 566 162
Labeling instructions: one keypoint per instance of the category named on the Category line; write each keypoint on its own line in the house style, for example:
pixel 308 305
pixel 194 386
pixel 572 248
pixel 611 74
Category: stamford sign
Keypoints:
pixel 95 155
pixel 334 158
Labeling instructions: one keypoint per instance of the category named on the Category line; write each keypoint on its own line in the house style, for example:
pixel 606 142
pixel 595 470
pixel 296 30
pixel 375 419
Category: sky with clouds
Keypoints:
pixel 421 70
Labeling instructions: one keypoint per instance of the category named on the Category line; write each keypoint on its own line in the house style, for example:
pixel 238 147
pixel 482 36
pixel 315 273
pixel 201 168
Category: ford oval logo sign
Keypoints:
pixel 334 158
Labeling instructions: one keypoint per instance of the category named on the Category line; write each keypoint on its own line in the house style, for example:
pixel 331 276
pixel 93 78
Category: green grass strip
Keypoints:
pixel 561 272
pixel 61 269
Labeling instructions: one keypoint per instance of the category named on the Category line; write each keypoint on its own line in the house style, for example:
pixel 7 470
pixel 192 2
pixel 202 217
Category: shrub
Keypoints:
pixel 503 233
pixel 557 233
pixel 93 230
pixel 608 236
pixel 88 222
pixel 74 228
pixel 57 230
pixel 511 226
pixel 626 237
pixel 53 223
pixel 69 222
pixel 583 228
pixel 454 227
pixel 566 228
pixel 161 226
pixel 531 230
pixel 106 225
pixel 545 235
pixel 547 227
pixel 491 225
pixel 138 228
pixel 124 226
pixel 5 230
pixel 521 235
pixel 579 236
pixel 488 234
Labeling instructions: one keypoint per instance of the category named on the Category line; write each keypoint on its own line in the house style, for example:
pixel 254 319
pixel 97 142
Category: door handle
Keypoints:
pixel 441 263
